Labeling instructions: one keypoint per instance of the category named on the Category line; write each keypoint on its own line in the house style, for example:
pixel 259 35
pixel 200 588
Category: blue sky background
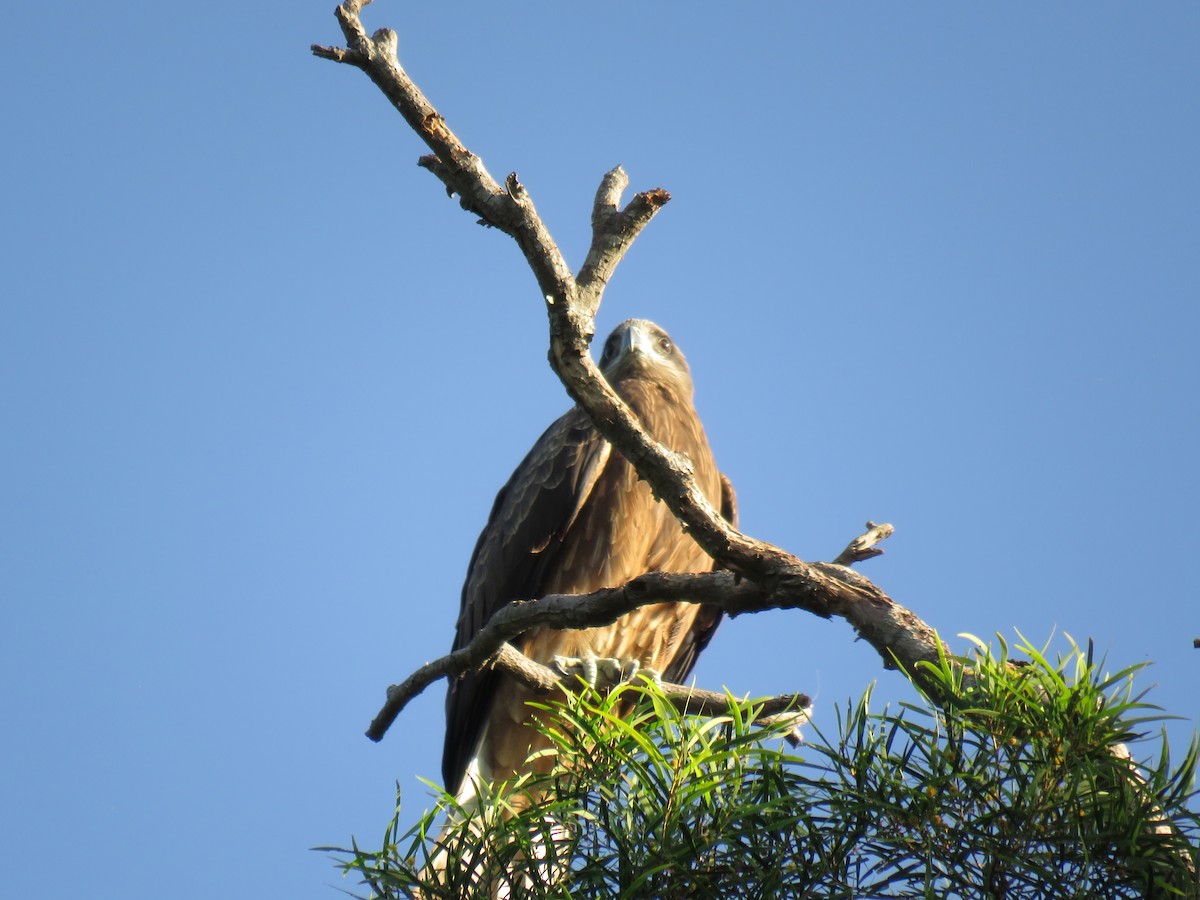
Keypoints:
pixel 932 264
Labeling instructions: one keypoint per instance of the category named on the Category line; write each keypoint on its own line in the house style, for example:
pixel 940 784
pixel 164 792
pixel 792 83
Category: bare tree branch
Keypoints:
pixel 547 681
pixel 863 546
pixel 734 594
pixel 509 208
pixel 782 580
pixel 687 698
pixel 613 230
pixel 558 611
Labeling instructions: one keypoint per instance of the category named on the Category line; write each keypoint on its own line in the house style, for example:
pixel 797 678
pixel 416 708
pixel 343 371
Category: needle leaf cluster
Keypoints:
pixel 1015 783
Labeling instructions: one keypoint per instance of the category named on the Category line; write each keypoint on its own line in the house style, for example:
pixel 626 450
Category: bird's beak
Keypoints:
pixel 634 352
pixel 635 342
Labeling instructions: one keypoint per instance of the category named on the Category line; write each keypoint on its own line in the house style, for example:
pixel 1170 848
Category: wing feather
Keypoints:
pixel 709 617
pixel 519 544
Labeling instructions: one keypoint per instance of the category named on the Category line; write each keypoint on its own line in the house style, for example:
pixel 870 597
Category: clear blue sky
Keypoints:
pixel 932 264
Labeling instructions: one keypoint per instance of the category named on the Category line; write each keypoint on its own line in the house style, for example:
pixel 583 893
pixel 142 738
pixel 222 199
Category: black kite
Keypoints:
pixel 574 518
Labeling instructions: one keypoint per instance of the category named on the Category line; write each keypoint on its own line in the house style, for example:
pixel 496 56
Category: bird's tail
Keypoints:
pixel 478 854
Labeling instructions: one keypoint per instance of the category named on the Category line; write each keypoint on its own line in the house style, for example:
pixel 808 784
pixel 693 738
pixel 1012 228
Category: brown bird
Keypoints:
pixel 574 518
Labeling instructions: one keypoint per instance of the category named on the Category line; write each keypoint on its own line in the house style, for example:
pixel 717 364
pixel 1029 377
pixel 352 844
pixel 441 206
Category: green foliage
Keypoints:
pixel 1009 788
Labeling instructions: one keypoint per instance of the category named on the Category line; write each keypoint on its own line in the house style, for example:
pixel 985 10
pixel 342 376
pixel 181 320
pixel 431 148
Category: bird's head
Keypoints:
pixel 637 348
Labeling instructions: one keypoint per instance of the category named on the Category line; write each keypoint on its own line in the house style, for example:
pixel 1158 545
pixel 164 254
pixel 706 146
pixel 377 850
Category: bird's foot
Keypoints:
pixel 604 672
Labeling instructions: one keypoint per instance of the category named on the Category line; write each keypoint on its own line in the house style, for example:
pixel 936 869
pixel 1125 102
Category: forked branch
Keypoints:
pixel 783 580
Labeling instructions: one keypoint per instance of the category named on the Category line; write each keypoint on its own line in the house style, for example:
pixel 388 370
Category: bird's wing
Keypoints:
pixel 708 617
pixel 531 515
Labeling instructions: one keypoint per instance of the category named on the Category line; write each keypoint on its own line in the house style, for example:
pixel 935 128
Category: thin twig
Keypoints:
pixel 863 546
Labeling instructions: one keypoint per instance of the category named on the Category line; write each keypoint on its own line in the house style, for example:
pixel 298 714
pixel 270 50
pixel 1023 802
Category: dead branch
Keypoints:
pixel 784 580
pixel 686 698
pixel 863 546
pixel 559 611
pixel 547 681
pixel 735 595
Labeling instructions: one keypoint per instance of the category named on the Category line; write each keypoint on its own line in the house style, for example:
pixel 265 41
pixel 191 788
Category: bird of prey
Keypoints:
pixel 574 518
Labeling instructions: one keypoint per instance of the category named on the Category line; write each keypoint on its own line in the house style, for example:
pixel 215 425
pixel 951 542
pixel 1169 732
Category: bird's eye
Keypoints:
pixel 610 349
pixel 665 345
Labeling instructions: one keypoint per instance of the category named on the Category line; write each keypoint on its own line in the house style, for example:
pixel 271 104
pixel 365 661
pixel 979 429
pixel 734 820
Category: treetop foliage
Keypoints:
pixel 1009 779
